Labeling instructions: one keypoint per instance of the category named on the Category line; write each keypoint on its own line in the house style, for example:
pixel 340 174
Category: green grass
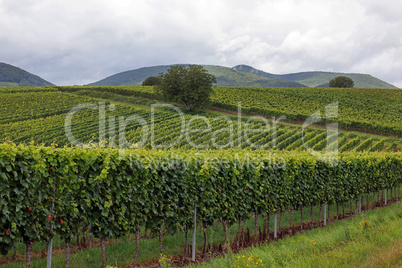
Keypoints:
pixel 372 239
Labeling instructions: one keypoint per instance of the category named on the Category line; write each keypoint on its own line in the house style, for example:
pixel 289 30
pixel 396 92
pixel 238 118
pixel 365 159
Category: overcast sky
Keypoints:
pixel 82 41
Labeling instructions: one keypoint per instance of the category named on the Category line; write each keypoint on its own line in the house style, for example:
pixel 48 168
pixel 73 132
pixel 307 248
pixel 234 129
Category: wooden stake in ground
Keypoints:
pixel 275 225
pixel 264 229
pixel 194 233
pixel 255 226
pixel 312 213
pixel 160 240
pixel 226 234
pixel 239 234
pixel 186 243
pixel 29 253
pixel 204 227
pixel 67 252
pixel 291 219
pixel 50 244
pixel 386 199
pixel 268 223
pixel 90 236
pixel 137 240
pixel 78 241
pixel 319 221
pixel 103 248
pixel 337 210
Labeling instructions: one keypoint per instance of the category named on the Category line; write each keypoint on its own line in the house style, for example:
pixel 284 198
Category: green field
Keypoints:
pixel 58 145
pixel 27 114
pixel 373 110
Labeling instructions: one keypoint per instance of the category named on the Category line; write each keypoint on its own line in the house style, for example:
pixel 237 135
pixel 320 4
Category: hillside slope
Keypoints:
pixel 13 76
pixel 319 79
pixel 28 116
pixel 225 77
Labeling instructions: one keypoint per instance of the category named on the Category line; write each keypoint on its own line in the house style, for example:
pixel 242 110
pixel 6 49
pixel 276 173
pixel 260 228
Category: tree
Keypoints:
pixel 190 85
pixel 341 81
pixel 151 81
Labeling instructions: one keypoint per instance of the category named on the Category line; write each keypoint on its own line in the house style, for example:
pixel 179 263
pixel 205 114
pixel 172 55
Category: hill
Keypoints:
pixel 233 78
pixel 225 77
pixel 319 79
pixel 11 76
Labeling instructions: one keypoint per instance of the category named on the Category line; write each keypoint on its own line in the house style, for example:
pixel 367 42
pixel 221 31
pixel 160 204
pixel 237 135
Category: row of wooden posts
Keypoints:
pixel 49 244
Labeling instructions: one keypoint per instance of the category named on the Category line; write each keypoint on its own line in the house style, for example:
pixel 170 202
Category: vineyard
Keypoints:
pixel 28 116
pixel 62 174
pixel 116 193
pixel 375 110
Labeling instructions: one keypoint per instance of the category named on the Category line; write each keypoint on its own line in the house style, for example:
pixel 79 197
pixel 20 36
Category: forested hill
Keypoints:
pixel 225 76
pixel 319 79
pixel 13 76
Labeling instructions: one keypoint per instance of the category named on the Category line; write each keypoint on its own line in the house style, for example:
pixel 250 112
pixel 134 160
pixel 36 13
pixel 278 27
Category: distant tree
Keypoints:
pixel 341 81
pixel 151 81
pixel 191 86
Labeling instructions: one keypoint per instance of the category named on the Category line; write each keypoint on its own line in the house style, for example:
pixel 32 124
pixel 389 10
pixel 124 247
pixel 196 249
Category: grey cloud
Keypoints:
pixel 78 42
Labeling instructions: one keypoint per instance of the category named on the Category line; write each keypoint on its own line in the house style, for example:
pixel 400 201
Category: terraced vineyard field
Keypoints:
pixel 39 115
pixel 372 110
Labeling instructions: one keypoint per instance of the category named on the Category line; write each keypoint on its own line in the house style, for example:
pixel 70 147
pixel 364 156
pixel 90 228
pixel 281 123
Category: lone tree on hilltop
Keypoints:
pixel 190 85
pixel 341 81
pixel 151 81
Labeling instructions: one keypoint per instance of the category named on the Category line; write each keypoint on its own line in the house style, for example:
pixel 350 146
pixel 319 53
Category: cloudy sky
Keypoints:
pixel 82 41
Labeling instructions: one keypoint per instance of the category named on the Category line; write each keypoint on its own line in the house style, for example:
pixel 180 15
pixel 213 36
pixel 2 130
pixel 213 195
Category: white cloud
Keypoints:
pixel 81 41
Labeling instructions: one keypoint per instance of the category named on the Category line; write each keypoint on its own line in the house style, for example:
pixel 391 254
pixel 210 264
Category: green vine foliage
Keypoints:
pixel 114 190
